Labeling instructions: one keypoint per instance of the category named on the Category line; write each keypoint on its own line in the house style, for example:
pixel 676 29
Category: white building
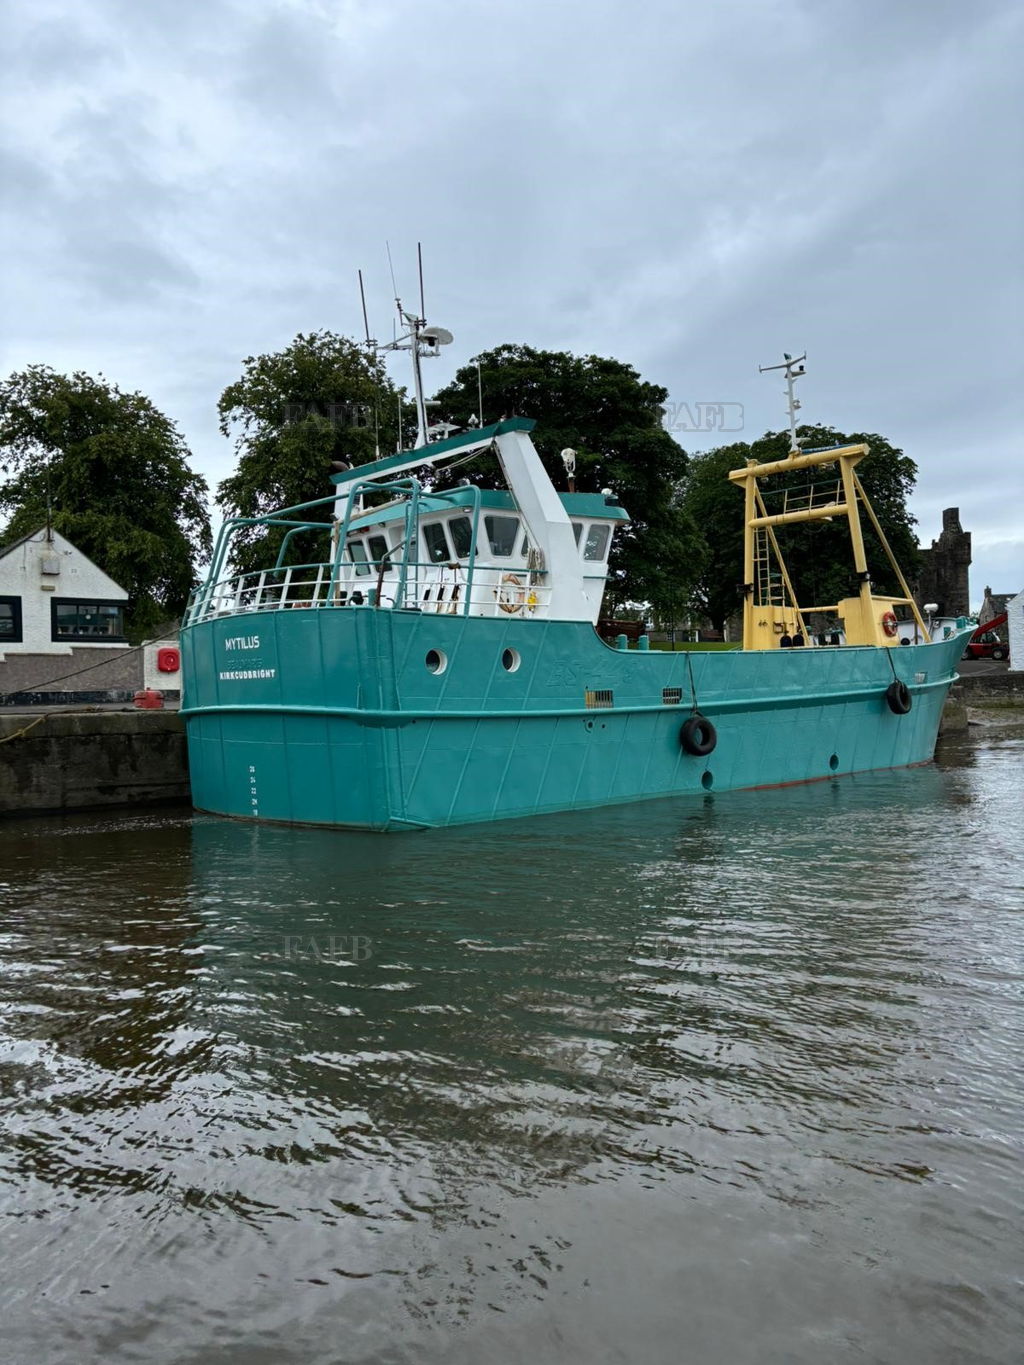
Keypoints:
pixel 54 600
pixel 1015 625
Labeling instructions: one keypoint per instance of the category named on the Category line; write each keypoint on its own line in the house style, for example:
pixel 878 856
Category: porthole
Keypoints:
pixel 707 781
pixel 833 762
pixel 510 660
pixel 436 661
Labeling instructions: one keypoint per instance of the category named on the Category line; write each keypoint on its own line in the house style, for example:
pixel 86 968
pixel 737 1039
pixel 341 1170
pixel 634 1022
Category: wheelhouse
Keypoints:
pixel 526 551
pixel 474 527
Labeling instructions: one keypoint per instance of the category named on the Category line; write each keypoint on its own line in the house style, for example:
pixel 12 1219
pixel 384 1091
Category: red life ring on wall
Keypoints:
pixel 889 623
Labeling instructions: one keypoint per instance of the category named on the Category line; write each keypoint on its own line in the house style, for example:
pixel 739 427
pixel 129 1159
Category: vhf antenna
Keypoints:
pixel 794 368
pixel 371 348
pixel 371 344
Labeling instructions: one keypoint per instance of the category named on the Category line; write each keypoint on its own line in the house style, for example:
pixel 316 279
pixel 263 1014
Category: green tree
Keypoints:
pixel 817 553
pixel 612 418
pixel 114 470
pixel 717 508
pixel 294 415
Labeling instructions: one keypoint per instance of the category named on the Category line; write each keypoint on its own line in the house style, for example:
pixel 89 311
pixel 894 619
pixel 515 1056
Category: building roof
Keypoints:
pixel 7 550
pixel 590 506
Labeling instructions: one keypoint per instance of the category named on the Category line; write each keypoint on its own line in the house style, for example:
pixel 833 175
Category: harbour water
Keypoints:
pixel 731 1079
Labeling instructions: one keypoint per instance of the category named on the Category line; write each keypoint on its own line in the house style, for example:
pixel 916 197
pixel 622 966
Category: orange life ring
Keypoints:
pixel 889 624
pixel 510 594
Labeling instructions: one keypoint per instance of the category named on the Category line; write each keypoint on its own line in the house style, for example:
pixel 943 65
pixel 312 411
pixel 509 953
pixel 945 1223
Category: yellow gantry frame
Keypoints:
pixel 863 615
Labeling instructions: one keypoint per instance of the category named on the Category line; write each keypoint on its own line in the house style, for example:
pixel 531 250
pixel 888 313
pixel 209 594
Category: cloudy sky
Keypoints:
pixel 689 187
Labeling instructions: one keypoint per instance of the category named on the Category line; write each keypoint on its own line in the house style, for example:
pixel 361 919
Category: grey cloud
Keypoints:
pixel 131 269
pixel 692 189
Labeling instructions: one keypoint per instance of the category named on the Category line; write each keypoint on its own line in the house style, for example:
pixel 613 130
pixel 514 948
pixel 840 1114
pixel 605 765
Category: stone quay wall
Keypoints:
pixel 56 762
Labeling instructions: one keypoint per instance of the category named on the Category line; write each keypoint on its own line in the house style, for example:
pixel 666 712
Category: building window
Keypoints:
pixel 10 621
pixel 88 620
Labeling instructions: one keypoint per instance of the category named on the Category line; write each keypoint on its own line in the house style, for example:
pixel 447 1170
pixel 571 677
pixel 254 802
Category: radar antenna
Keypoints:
pixel 794 367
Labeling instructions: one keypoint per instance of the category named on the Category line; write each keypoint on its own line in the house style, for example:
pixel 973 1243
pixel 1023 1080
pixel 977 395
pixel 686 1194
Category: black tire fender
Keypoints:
pixel 698 736
pixel 898 697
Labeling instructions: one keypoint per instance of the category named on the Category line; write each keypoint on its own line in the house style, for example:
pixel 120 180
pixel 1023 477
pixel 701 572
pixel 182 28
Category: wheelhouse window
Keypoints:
pixel 436 542
pixel 378 549
pixel 577 530
pixel 461 531
pixel 501 534
pixel 87 620
pixel 596 546
pixel 10 621
pixel 357 554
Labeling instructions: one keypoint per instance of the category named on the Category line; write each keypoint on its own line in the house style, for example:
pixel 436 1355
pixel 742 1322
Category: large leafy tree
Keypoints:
pixel 817 553
pixel 295 414
pixel 612 418
pixel 112 473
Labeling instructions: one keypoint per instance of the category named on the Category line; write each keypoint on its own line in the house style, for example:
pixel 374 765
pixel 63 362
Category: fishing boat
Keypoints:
pixel 437 662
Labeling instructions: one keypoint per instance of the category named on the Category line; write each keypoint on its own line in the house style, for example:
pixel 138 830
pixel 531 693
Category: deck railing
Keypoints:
pixel 441 589
pixel 401 580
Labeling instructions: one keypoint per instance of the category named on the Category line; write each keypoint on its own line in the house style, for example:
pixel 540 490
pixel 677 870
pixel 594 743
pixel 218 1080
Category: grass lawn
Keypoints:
pixel 680 646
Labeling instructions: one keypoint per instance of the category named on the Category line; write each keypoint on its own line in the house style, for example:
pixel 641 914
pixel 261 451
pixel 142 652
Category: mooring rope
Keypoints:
pixel 38 687
pixel 26 728
pixel 693 686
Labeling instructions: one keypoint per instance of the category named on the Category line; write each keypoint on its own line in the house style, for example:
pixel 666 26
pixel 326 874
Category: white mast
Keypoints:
pixel 794 370
pixel 420 340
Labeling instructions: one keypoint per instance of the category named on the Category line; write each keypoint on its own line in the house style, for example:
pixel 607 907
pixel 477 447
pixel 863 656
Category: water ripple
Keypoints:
pixel 750 1063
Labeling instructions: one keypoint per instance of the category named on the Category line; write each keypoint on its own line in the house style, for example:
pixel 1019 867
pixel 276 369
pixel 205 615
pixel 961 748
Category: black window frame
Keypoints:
pixel 357 548
pixel 56 602
pixel 462 536
pixel 600 529
pixel 377 559
pixel 491 531
pixel 18 636
pixel 430 550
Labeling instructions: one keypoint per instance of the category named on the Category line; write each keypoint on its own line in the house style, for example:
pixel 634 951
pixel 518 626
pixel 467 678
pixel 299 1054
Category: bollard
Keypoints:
pixel 644 642
pixel 622 642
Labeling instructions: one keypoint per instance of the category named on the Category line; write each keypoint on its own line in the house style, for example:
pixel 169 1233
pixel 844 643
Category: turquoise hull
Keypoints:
pixel 333 717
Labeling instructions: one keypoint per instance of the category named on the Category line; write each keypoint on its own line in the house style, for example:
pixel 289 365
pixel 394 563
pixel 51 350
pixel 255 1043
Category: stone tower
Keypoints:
pixel 943 577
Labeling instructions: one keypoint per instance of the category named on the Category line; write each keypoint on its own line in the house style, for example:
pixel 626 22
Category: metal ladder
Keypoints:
pixel 769 585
